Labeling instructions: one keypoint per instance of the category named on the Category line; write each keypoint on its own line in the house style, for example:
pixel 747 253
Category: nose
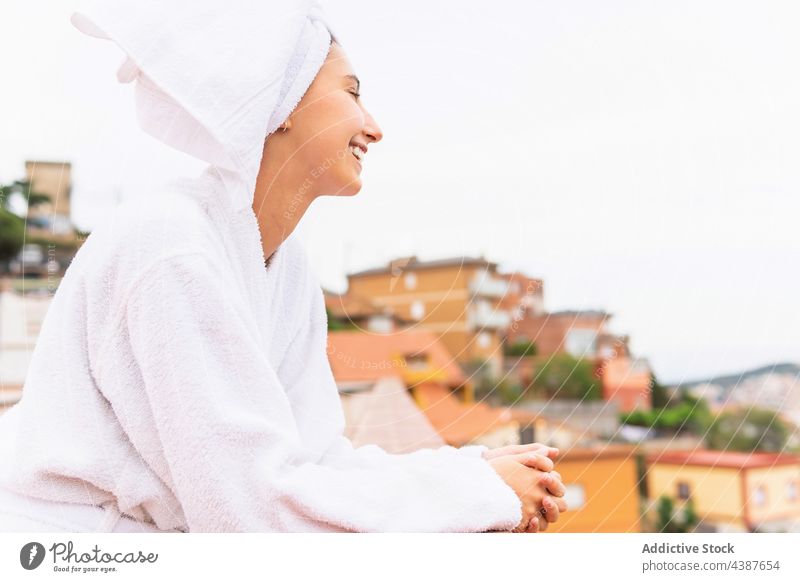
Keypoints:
pixel 371 128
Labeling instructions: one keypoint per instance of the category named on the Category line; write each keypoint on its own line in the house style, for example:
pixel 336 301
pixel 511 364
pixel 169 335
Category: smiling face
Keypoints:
pixel 326 126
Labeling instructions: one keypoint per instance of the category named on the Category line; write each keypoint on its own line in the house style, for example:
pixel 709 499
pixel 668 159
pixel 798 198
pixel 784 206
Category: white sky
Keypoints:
pixel 640 156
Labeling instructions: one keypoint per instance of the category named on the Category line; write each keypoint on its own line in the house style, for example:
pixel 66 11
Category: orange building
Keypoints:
pixel 602 490
pixel 731 491
pixel 476 311
pixel 582 334
pixel 55 180
pixel 571 332
pixel 458 299
pixel 525 297
pixel 362 313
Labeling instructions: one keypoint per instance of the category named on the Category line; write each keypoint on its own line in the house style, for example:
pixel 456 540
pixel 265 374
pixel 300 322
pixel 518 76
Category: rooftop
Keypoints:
pixel 413 264
pixel 726 459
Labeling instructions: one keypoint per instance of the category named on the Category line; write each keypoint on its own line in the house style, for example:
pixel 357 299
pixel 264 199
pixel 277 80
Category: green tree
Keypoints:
pixel 668 520
pixel 12 236
pixel 748 430
pixel 659 398
pixel 520 348
pixel 489 388
pixel 563 376
pixel 690 415
pixel 24 188
pixel 335 324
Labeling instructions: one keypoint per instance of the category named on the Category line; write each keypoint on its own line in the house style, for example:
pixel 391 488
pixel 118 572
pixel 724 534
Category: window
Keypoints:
pixel 580 343
pixel 380 324
pixel 760 496
pixel 484 339
pixel 791 491
pixel 417 362
pixel 417 309
pixel 410 281
pixel 683 490
pixel 575 496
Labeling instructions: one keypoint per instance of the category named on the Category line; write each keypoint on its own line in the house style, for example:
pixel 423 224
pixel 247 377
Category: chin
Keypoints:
pixel 349 187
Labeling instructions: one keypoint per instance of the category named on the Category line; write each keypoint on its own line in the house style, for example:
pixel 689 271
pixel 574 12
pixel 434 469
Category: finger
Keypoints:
pixel 562 505
pixel 537 461
pixel 539 448
pixel 523 524
pixel 552 452
pixel 543 524
pixel 554 486
pixel 549 509
pixel 533 525
pixel 522 449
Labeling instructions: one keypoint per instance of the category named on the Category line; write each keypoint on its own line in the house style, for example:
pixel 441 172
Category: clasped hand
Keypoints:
pixel 529 471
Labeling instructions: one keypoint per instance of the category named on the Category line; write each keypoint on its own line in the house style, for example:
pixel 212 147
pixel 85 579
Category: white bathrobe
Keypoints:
pixel 178 377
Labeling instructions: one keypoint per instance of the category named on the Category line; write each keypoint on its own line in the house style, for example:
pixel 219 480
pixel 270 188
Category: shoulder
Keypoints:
pixel 142 232
pixel 174 222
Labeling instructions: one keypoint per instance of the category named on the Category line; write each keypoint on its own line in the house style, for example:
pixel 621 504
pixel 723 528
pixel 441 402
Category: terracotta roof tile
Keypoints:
pixel 728 459
pixel 359 355
pixel 456 422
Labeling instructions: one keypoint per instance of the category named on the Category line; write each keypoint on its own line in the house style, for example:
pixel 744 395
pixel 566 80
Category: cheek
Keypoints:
pixel 329 126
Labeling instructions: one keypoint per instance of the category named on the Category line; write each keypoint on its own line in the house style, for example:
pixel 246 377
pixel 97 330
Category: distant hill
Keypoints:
pixel 732 380
pixel 776 387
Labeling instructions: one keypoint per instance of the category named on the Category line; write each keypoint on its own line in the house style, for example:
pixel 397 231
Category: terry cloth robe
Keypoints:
pixel 180 378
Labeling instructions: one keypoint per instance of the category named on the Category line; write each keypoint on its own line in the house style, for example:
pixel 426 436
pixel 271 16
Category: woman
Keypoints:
pixel 180 381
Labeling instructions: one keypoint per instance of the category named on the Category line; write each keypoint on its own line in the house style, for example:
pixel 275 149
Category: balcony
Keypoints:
pixel 484 285
pixel 484 316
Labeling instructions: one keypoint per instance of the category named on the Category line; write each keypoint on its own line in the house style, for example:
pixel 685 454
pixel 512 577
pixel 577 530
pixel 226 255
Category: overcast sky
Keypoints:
pixel 641 157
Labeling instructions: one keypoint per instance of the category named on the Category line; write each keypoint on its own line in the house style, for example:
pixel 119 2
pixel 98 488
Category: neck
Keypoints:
pixel 280 199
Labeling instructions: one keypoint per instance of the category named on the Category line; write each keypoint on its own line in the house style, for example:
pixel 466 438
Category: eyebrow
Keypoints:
pixel 354 78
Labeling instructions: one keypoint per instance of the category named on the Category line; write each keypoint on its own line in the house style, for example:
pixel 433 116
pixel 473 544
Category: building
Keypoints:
pixel 477 312
pixel 731 491
pixel 457 299
pixel 571 332
pixel 572 423
pixel 626 379
pixel 348 311
pixel 602 490
pixel 434 383
pixel 582 334
pixel 55 180
pixel 525 297
pixel 51 240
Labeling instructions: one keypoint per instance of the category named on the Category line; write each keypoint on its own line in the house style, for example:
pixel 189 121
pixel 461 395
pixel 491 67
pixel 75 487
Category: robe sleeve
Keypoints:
pixel 230 439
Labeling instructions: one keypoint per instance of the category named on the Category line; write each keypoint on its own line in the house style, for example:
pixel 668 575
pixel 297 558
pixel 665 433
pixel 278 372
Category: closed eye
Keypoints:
pixel 357 95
